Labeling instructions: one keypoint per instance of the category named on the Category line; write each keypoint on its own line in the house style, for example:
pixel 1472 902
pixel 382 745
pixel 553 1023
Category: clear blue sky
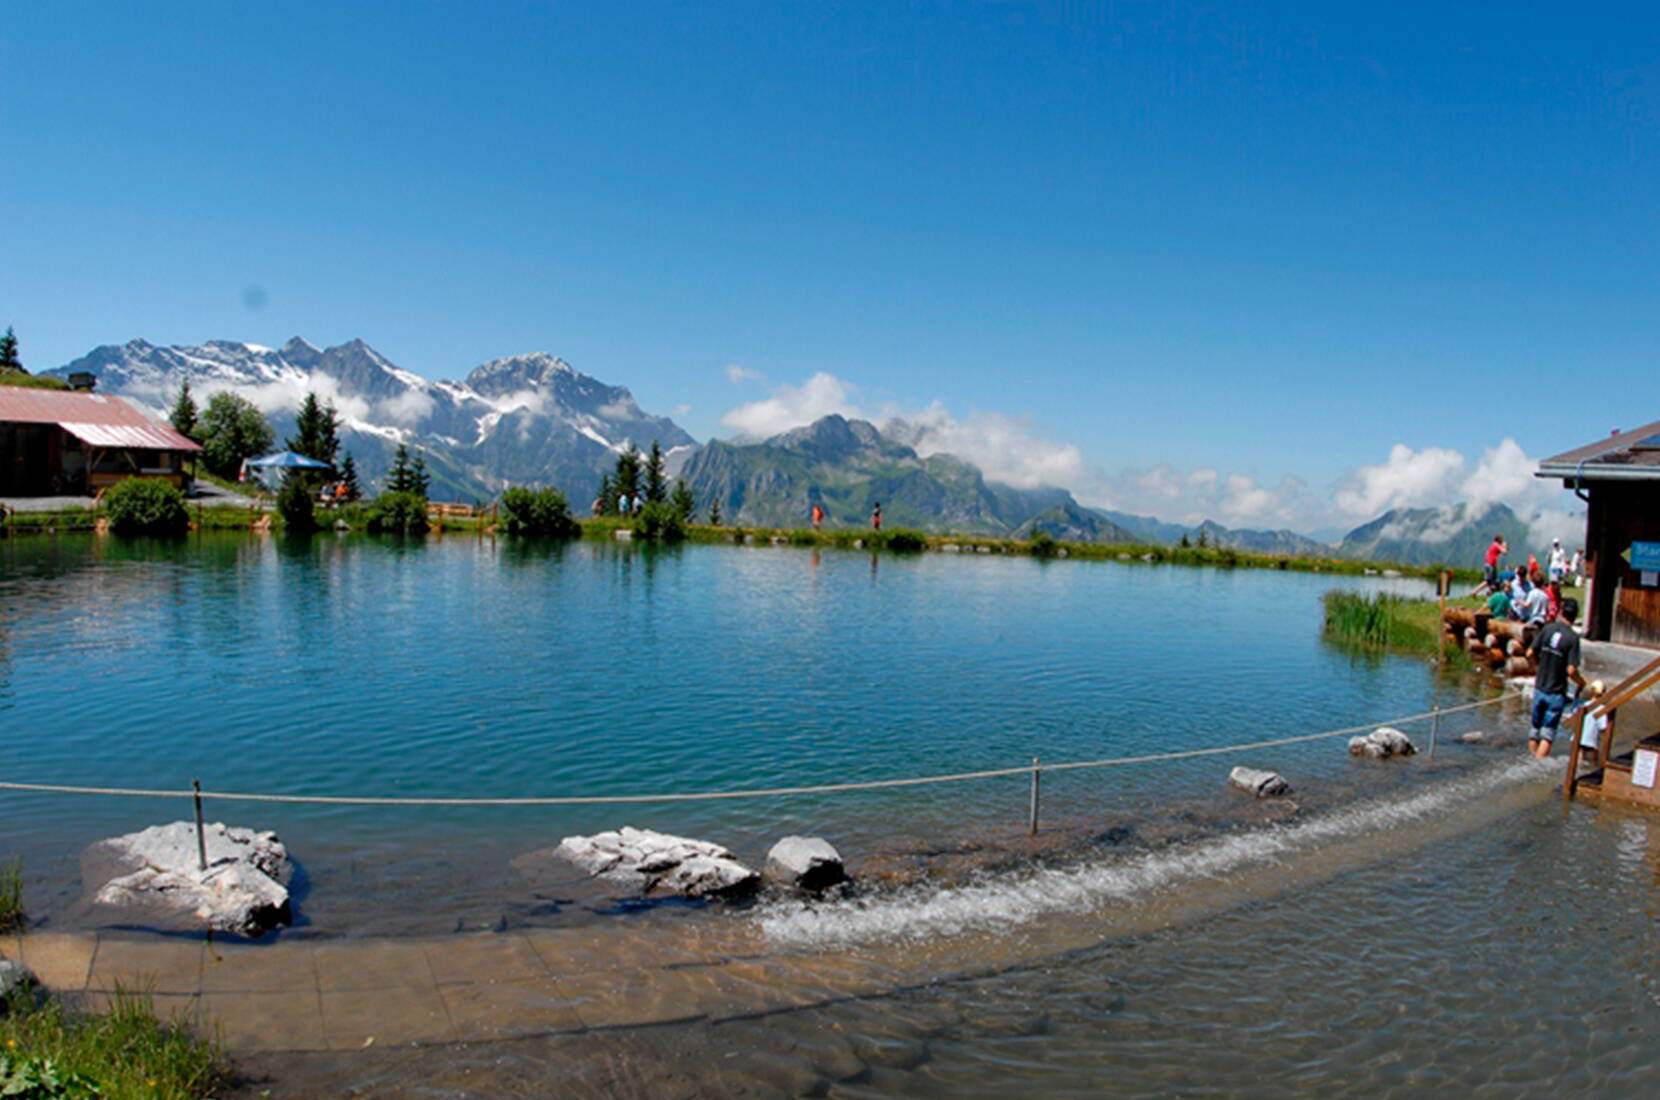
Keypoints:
pixel 1274 238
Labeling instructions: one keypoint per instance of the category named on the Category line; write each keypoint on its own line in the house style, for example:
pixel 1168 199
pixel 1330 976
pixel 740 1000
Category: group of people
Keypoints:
pixel 1533 595
pixel 626 505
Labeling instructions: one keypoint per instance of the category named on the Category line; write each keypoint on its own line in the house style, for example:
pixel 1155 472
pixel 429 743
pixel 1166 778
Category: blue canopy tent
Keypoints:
pixel 280 460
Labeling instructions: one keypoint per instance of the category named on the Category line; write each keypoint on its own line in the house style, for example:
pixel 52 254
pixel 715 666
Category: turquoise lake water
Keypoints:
pixel 468 667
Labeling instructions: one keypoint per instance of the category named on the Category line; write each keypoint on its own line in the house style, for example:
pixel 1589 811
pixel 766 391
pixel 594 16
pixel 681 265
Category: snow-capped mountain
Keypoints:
pixel 524 419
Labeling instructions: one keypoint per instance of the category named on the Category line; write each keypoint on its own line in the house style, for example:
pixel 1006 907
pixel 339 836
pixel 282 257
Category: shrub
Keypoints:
pixel 295 507
pixel 538 513
pixel 661 522
pixel 1042 544
pixel 398 514
pixel 906 542
pixel 145 506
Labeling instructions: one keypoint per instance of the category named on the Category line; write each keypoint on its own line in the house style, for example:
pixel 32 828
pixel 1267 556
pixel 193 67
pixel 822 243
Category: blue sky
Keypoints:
pixel 1267 241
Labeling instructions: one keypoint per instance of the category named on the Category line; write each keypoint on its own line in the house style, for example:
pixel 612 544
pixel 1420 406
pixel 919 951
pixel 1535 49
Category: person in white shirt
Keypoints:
pixel 1535 607
pixel 1558 564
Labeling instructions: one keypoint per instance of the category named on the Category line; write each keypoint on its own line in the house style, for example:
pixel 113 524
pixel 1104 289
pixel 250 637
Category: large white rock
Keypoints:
pixel 805 862
pixel 244 889
pixel 1385 741
pixel 1262 784
pixel 648 860
pixel 14 977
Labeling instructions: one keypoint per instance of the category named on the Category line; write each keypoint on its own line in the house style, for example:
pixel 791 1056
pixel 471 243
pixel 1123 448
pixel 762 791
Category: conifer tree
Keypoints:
pixel 183 416
pixel 682 501
pixel 316 431
pixel 657 483
pixel 348 478
pixel 400 478
pixel 607 495
pixel 420 480
pixel 8 353
pixel 714 513
pixel 626 480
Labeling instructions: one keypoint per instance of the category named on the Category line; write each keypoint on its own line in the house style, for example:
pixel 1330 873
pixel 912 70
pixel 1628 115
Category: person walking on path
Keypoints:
pixel 876 516
pixel 1556 648
pixel 1490 574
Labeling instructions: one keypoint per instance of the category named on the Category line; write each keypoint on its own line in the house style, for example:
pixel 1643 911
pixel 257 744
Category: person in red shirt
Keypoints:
pixel 818 516
pixel 1490 577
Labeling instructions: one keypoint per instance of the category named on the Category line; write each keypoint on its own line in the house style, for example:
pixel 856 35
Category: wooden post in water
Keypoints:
pixel 201 834
pixel 1434 728
pixel 1034 795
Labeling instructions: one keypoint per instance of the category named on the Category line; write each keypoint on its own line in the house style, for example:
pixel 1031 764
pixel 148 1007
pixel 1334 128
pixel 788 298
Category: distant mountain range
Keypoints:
pixel 534 420
pixel 524 419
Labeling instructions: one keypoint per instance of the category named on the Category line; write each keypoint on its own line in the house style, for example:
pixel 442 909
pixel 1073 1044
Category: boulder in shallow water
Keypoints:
pixel 806 863
pixel 648 861
pixel 1262 784
pixel 244 889
pixel 1383 742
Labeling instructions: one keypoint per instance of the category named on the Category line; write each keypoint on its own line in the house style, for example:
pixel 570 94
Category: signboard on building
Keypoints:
pixel 1645 557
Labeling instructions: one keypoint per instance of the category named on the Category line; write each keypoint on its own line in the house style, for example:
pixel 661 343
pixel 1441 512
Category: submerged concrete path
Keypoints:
pixel 298 995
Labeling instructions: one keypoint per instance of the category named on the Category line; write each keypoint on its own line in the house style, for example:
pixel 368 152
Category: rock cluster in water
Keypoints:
pixel 1385 741
pixel 243 890
pixel 649 861
pixel 1262 784
pixel 806 863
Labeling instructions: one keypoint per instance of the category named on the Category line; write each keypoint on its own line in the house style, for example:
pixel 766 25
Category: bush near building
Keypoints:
pixel 145 506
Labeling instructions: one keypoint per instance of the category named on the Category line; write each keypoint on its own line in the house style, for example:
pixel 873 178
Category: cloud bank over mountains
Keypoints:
pixel 1014 451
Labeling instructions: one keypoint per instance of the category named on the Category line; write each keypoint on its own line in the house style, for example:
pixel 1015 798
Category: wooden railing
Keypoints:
pixel 1623 692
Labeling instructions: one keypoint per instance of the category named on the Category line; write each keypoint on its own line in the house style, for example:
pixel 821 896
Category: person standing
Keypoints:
pixel 1558 560
pixel 818 515
pixel 1556 648
pixel 1495 553
pixel 876 516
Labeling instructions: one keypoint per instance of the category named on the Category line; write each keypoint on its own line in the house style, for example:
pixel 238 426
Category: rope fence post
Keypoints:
pixel 201 833
pixel 1035 774
pixel 1434 728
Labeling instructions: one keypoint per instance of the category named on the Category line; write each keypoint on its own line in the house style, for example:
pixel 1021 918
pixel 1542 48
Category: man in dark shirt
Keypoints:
pixel 1556 648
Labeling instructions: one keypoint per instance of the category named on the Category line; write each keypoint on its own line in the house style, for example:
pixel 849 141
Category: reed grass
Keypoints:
pixel 1382 620
pixel 11 895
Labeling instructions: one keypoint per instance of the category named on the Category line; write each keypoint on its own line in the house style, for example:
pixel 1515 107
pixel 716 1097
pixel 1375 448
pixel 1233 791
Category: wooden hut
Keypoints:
pixel 1619 479
pixel 63 442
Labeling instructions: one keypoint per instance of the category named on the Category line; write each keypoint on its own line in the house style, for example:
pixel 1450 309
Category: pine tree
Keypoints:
pixel 8 353
pixel 682 501
pixel 400 478
pixel 316 431
pixel 420 480
pixel 1185 543
pixel 714 513
pixel 183 416
pixel 348 478
pixel 607 496
pixel 657 483
pixel 1204 541
pixel 627 478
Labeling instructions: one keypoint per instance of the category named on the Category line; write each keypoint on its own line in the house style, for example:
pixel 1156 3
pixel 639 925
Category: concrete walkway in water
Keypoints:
pixel 300 995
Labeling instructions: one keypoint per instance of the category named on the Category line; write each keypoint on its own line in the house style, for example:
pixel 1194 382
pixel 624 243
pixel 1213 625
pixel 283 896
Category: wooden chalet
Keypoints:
pixel 1619 479
pixel 72 442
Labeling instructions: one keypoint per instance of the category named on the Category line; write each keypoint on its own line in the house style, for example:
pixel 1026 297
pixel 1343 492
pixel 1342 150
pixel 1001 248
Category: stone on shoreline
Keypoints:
pixel 806 863
pixel 14 978
pixel 1262 784
pixel 242 891
pixel 1381 743
pixel 646 861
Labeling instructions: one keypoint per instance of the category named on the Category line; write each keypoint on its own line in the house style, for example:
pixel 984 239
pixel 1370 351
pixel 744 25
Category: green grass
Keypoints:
pixel 11 895
pixel 1380 620
pixel 31 381
pixel 126 1053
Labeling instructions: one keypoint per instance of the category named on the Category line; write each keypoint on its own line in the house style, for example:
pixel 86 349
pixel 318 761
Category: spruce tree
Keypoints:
pixel 627 477
pixel 400 478
pixel 657 483
pixel 420 480
pixel 8 353
pixel 714 513
pixel 682 501
pixel 183 416
pixel 607 496
pixel 348 478
pixel 316 431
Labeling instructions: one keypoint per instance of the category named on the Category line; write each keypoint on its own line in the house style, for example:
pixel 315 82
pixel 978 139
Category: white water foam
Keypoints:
pixel 917 915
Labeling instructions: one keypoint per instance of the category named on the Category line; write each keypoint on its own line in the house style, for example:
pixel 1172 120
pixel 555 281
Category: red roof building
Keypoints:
pixel 71 442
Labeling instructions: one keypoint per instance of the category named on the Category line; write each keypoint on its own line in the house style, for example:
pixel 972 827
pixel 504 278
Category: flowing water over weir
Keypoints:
pixel 1436 926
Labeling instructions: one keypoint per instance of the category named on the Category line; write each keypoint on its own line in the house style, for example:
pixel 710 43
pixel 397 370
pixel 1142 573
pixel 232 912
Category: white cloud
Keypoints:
pixel 792 406
pixel 1408 479
pixel 409 407
pixel 738 375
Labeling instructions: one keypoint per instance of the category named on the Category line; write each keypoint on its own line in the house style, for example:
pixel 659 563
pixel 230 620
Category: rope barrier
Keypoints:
pixel 709 796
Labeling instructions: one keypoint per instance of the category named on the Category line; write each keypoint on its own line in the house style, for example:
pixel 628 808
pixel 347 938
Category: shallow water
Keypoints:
pixel 476 668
